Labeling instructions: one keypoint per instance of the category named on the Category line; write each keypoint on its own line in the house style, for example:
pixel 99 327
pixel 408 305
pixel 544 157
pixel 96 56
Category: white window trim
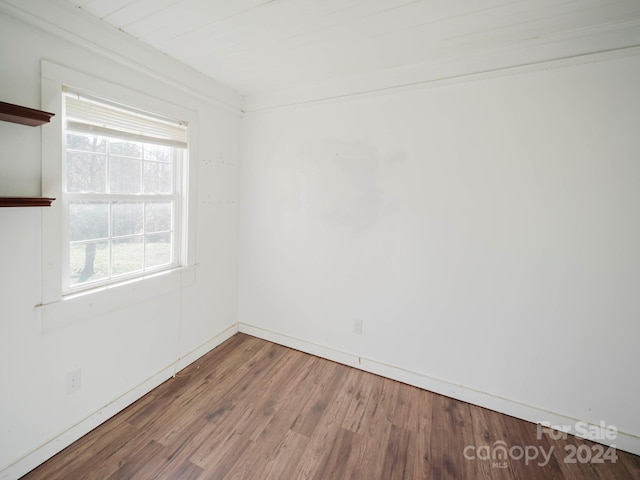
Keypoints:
pixel 54 304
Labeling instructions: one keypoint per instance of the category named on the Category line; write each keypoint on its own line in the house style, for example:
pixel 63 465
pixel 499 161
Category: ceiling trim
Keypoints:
pixel 63 20
pixel 597 44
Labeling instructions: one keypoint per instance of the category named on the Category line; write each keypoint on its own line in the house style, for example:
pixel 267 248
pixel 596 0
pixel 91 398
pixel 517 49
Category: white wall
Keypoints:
pixel 123 353
pixel 486 232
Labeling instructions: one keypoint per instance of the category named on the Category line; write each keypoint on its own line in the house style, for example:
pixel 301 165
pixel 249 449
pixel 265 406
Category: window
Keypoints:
pixel 122 165
pixel 122 192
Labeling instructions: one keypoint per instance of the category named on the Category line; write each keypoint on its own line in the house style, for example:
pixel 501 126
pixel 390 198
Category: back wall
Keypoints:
pixel 485 231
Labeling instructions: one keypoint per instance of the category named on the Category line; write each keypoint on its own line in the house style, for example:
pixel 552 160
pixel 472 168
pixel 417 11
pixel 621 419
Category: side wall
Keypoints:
pixel 124 353
pixel 486 232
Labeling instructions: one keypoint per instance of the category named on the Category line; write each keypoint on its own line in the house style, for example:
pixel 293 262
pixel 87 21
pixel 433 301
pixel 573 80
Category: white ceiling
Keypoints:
pixel 261 46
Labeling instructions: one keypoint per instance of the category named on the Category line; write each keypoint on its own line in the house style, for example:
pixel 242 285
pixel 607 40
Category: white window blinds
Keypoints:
pixel 89 115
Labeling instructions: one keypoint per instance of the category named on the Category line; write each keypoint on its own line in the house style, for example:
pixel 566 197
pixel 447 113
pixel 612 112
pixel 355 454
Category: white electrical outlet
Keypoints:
pixel 357 326
pixel 74 381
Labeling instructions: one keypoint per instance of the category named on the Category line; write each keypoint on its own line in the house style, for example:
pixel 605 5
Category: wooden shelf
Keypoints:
pixel 25 201
pixel 23 115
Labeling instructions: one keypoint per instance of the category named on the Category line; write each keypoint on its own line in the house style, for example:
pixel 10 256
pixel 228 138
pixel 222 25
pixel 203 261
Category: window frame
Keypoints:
pixel 54 79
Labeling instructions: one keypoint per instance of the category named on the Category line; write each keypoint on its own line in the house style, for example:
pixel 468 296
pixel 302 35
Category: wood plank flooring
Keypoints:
pixel 251 409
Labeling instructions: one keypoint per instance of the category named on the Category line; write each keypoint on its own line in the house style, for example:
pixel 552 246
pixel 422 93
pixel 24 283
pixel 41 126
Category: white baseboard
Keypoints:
pixel 51 447
pixel 623 441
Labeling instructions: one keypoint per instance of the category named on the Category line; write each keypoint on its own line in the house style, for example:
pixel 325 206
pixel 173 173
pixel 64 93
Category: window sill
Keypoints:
pixel 100 301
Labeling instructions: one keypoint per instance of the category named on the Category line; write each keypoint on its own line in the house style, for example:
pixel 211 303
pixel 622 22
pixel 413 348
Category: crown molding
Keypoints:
pixel 596 44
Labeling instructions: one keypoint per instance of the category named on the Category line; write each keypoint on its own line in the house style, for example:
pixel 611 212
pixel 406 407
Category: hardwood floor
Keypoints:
pixel 251 409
